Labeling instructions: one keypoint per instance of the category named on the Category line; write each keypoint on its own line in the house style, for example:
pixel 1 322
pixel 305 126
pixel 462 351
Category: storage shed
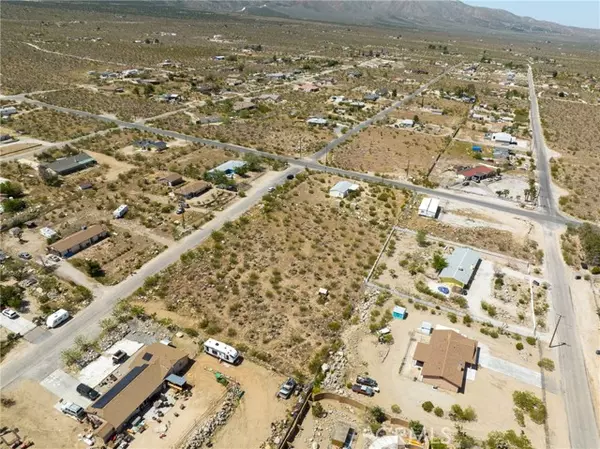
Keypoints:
pixel 426 328
pixel 342 189
pixel 342 435
pixel 429 207
pixel 399 312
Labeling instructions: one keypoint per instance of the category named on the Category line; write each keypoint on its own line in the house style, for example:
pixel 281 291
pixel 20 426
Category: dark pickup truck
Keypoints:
pixel 363 389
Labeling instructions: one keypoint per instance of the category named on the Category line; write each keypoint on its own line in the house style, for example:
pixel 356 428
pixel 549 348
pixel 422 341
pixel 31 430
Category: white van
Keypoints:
pixel 221 350
pixel 60 316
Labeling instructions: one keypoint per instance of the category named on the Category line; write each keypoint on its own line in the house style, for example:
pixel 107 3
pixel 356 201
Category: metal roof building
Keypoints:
pixel 342 189
pixel 462 265
pixel 72 164
pixel 228 167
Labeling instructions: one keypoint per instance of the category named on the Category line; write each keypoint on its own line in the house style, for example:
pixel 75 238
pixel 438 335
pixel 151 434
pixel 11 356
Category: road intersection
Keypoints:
pixel 43 358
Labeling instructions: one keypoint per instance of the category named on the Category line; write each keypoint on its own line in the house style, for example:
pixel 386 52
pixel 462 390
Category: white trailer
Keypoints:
pixel 221 350
pixel 429 207
pixel 120 211
pixel 60 316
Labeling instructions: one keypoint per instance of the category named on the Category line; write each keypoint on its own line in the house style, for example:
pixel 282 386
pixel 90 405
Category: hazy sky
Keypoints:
pixel 580 13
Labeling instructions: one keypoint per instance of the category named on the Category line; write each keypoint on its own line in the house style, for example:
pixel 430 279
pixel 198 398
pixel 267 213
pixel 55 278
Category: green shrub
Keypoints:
pixel 547 364
pixel 519 346
pixel 531 340
pixel 427 406
pixel 438 412
pixel 530 404
pixel 396 409
pixel 452 317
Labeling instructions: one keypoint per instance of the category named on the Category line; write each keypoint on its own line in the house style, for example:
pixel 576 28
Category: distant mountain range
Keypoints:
pixel 435 15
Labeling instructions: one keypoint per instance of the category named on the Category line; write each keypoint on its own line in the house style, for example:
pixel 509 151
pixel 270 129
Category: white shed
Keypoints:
pixel 426 328
pixel 342 189
pixel 429 207
pixel 48 233
pixel 503 138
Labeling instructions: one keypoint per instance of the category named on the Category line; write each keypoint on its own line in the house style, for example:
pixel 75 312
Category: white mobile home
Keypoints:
pixel 120 211
pixel 503 138
pixel 56 318
pixel 221 350
pixel 429 207
pixel 342 189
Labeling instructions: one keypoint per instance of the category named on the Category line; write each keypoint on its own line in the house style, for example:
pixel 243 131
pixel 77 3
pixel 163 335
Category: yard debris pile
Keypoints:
pixel 150 328
pixel 278 431
pixel 335 372
pixel 204 433
pixel 118 333
pixel 323 427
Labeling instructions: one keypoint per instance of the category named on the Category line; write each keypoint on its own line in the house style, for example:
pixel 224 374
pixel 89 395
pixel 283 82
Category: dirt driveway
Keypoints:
pixel 250 425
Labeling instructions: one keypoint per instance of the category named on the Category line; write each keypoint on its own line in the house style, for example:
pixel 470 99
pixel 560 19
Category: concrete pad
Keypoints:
pixel 471 374
pixel 37 335
pixel 94 373
pixel 18 325
pixel 64 386
pixel 520 373
pixel 481 288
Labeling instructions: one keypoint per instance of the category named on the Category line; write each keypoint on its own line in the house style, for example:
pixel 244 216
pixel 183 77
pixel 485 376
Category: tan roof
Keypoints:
pixel 446 355
pixel 197 186
pixel 78 237
pixel 148 371
pixel 171 178
pixel 241 105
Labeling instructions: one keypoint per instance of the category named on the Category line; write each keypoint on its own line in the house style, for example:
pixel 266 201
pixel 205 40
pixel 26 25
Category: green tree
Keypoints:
pixel 11 296
pixel 436 443
pixel 11 189
pixel 13 205
pixel 438 411
pixel 317 409
pixel 507 440
pixel 417 429
pixel 462 440
pixel 93 268
pixel 378 414
pixel 439 262
pixel 427 406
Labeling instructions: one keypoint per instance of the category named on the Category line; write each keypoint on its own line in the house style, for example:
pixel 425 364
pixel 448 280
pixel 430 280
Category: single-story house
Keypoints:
pixel 429 207
pixel 211 119
pixel 445 359
pixel 228 167
pixel 342 435
pixel 207 88
pixel 243 106
pixel 406 123
pixel 503 138
pixel 171 180
pixel 317 121
pixel 78 241
pixel 130 394
pixel 342 189
pixel 371 97
pixel 193 189
pixel 72 164
pixel 477 173
pixel 269 97
pixel 462 266
pixel 145 144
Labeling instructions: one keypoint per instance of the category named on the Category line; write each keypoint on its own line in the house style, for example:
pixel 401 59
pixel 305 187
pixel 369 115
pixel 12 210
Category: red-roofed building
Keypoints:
pixel 477 173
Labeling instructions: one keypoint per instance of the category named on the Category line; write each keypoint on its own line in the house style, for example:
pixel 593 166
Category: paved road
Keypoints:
pixel 380 115
pixel 42 359
pixel 583 432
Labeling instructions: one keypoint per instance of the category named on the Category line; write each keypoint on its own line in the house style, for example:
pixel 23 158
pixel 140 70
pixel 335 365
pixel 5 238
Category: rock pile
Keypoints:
pixel 335 371
pixel 104 343
pixel 206 430
pixel 364 309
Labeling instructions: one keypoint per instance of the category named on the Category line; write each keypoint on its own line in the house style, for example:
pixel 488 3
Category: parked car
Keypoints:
pixel 597 351
pixel 25 256
pixel 119 357
pixel 88 392
pixel 368 381
pixel 290 176
pixel 363 389
pixel 72 409
pixel 287 388
pixel 10 313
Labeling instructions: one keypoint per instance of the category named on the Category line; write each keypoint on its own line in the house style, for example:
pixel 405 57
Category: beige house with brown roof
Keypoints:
pixel 137 388
pixel 193 189
pixel 78 241
pixel 446 358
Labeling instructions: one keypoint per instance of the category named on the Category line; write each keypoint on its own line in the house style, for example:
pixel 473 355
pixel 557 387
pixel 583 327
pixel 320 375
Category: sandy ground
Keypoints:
pixel 489 394
pixel 250 425
pixel 37 420
pixel 206 396
pixel 115 167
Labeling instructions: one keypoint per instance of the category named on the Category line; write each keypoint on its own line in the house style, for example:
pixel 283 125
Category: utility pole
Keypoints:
pixel 555 329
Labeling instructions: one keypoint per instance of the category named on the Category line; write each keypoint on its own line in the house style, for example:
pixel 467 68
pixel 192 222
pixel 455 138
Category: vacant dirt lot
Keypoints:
pixel 54 126
pixel 567 131
pixel 37 420
pixel 381 149
pixel 277 257
pixel 279 135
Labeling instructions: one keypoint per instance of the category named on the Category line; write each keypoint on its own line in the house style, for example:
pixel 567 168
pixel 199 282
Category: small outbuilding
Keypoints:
pixel 429 207
pixel 503 138
pixel 171 180
pixel 342 435
pixel 342 189
pixel 399 312
pixel 426 328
